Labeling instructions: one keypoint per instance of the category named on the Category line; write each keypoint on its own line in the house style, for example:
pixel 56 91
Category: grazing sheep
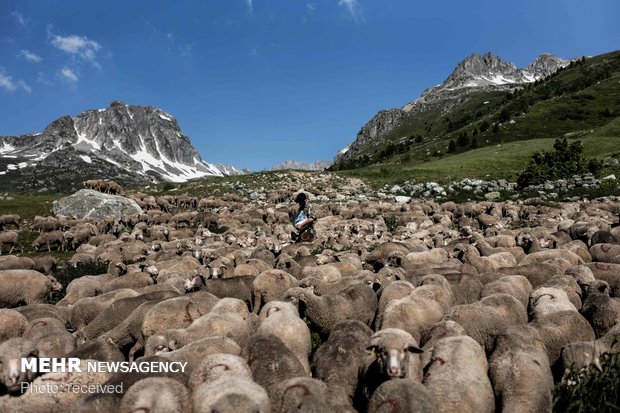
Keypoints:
pixel 281 319
pixel 48 239
pixel 23 287
pixel 10 238
pixel 235 287
pixel 45 264
pixel 12 219
pixel 457 376
pixel 519 371
pixel 156 395
pixel 402 396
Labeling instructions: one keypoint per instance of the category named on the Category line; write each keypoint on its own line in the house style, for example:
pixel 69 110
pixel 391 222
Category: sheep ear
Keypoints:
pixel 414 349
pixel 372 350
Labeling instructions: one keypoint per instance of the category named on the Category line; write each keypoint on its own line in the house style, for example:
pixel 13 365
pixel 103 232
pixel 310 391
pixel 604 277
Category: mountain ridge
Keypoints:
pixel 143 141
pixel 474 73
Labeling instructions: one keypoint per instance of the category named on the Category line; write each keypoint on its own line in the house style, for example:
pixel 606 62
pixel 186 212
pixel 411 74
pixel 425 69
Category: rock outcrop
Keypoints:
pixel 87 203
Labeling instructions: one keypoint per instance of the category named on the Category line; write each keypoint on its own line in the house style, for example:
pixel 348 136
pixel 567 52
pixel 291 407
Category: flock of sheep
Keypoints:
pixel 474 307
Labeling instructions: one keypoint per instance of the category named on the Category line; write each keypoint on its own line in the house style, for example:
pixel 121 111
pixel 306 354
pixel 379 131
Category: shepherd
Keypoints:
pixel 305 220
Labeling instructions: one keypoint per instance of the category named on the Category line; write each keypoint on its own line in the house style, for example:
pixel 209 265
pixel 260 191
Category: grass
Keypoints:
pixel 503 161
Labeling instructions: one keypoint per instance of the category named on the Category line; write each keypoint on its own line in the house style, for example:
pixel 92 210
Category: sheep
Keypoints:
pixel 115 313
pixel 354 303
pixel 541 256
pixel 156 395
pixel 417 313
pixel 87 309
pixel 178 312
pixel 12 219
pixel 35 311
pixel 402 395
pixel 605 253
pixel 235 287
pixel 272 362
pixel 101 350
pixel 457 376
pixel 11 262
pixel 229 317
pixel 465 287
pixel 568 285
pixel 547 300
pixel 63 396
pixel 517 286
pixel 48 239
pixel 45 264
pixel 394 354
pixel 230 395
pixel 10 238
pixel 469 255
pixel 559 329
pixel 445 328
pixel 483 319
pixel 393 291
pixel 582 354
pixel 12 324
pixel 281 319
pixel 519 371
pixel 339 359
pixel 11 353
pixel 608 272
pixel 301 394
pixel 601 310
pixel 269 286
pixel 218 365
pixel 19 287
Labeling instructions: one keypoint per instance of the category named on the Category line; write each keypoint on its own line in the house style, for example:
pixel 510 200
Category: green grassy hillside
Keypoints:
pixel 581 100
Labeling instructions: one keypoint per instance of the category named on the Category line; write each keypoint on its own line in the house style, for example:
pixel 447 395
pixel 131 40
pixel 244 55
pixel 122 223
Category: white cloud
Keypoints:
pixel 253 52
pixel 30 56
pixel 78 46
pixel 250 4
pixel 310 7
pixel 19 18
pixel 24 85
pixel 68 74
pixel 353 8
pixel 7 83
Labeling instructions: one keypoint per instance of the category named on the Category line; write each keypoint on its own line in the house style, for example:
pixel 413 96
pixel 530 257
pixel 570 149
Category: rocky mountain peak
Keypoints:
pixel 141 141
pixel 545 65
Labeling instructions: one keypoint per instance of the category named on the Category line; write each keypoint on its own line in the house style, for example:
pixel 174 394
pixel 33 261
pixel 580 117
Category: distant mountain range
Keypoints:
pixel 302 166
pixel 130 144
pixel 474 74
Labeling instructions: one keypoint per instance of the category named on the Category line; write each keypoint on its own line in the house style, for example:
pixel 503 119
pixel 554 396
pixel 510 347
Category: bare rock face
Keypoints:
pixel 87 203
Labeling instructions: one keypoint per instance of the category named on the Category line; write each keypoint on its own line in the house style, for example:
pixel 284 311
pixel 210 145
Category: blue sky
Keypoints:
pixel 255 82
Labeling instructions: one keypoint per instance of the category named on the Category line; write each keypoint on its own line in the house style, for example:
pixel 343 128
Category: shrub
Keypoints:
pixel 590 390
pixel 563 162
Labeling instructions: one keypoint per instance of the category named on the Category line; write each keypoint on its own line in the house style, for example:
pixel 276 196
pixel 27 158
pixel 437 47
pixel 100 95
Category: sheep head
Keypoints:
pixel 392 348
pixel 11 353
